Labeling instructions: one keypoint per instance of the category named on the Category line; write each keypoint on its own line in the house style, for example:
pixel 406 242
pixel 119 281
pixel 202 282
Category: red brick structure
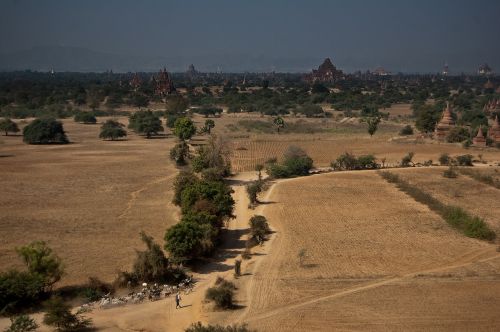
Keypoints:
pixel 444 126
pixel 326 73
pixel 479 140
pixel 163 84
pixel 494 132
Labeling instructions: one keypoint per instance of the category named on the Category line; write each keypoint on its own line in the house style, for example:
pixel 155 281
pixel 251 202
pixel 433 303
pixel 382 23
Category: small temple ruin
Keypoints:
pixel 326 73
pixel 135 82
pixel 163 84
pixel 494 132
pixel 191 72
pixel 444 125
pixel 479 140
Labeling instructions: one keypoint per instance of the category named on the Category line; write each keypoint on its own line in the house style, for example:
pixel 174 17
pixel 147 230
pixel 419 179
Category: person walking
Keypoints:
pixel 178 301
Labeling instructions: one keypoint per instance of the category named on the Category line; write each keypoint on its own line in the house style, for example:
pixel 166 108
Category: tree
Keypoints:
pixel 184 128
pixel 22 323
pixel 44 131
pixel 42 261
pixel 213 155
pixel 19 290
pixel 259 168
pixel 7 125
pixel 279 123
pixel 406 130
pixel 457 135
pixel 373 123
pixel 176 104
pixel 253 189
pixel 179 153
pixel 145 122
pixel 85 117
pixel 259 227
pixel 427 117
pixel 189 240
pixel 407 160
pixel 209 124
pixel 60 316
pixel 151 265
pixel 112 129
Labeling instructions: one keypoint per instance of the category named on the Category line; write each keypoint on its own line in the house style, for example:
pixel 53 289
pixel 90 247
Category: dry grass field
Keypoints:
pixel 89 200
pixel 376 260
pixel 250 148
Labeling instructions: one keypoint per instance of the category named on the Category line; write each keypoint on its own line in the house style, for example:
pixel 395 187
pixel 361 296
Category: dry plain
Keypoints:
pixel 376 259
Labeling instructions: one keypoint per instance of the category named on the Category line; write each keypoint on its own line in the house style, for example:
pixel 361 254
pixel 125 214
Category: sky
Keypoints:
pixel 400 35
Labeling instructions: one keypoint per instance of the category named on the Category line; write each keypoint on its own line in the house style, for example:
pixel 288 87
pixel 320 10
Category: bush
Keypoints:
pixel 407 160
pixel 60 316
pixel 450 173
pixel 44 131
pixel 22 323
pixel 457 135
pixel 189 240
pixel 198 327
pixel 348 161
pixel 19 290
pixel 184 128
pixel 96 289
pixel 445 159
pixel 213 155
pixel 406 130
pixel 296 163
pixel 464 160
pixel 112 129
pixel 180 153
pixel 42 261
pixel 145 122
pixel 85 117
pixel 7 125
pixel 259 228
pixel 222 294
pixel 253 189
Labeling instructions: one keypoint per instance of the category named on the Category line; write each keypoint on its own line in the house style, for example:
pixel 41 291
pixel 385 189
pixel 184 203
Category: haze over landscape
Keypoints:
pixel 249 166
pixel 402 36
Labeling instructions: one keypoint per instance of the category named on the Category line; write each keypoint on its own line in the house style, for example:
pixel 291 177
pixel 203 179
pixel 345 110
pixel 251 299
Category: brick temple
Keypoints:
pixel 326 73
pixel 163 84
pixel 444 125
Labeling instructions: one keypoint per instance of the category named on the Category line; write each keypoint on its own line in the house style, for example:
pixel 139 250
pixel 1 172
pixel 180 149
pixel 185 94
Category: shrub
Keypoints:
pixel 44 131
pixel 445 159
pixel 406 130
pixel 348 161
pixel 407 160
pixel 112 129
pixel 96 289
pixel 145 122
pixel 60 316
pixel 184 128
pixel 22 323
pixel 221 294
pixel 180 153
pixel 19 290
pixel 457 135
pixel 183 180
pixel 42 261
pixel 7 125
pixel 198 327
pixel 464 160
pixel 189 240
pixel 85 117
pixel 296 163
pixel 213 155
pixel 237 267
pixel 259 227
pixel 253 189
pixel 450 173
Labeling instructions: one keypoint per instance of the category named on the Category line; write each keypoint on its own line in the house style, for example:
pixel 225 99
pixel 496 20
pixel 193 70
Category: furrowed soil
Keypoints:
pixel 375 260
pixel 89 199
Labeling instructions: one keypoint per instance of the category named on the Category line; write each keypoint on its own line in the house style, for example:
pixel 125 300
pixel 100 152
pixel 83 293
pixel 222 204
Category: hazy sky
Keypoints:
pixel 397 34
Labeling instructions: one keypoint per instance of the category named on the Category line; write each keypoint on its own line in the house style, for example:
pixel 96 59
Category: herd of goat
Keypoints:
pixel 152 292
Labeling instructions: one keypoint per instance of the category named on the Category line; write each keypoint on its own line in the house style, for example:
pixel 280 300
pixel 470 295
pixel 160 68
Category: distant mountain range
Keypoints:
pixel 64 58
pixel 67 58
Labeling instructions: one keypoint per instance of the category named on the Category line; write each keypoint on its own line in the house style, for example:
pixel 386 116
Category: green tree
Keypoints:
pixel 259 227
pixel 22 323
pixel 373 123
pixel 209 124
pixel 184 128
pixel 19 290
pixel 176 104
pixel 145 122
pixel 112 130
pixel 59 315
pixel 42 261
pixel 85 117
pixel 279 123
pixel 44 131
pixel 427 117
pixel 180 153
pixel 189 240
pixel 151 264
pixel 7 125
